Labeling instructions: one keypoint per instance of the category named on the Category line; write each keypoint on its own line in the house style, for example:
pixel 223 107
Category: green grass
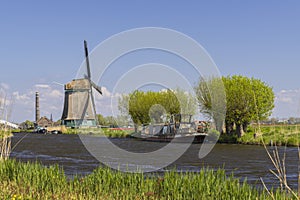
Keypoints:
pixel 33 181
pixel 22 130
pixel 272 134
pixel 101 131
pixel 116 133
pixel 96 131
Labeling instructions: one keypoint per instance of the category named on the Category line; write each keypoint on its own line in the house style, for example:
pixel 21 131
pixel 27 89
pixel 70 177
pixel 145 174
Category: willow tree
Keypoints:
pixel 211 98
pixel 148 107
pixel 188 101
pixel 248 99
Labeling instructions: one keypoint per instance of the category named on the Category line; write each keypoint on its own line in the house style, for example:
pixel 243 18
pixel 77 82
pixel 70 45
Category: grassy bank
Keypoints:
pixel 271 135
pixel 33 181
pixel 115 133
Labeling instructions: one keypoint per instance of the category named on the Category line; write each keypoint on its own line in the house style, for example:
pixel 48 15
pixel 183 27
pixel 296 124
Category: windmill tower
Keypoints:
pixel 79 105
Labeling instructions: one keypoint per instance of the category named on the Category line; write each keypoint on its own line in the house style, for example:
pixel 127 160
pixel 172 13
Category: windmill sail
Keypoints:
pixel 89 79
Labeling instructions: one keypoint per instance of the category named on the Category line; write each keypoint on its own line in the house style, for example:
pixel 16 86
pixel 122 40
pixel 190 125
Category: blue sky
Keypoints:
pixel 42 42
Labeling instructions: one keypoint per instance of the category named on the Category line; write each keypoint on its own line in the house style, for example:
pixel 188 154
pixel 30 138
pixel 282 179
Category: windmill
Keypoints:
pixel 79 104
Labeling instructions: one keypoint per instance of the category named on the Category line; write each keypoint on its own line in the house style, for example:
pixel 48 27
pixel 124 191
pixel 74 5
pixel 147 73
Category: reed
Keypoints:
pixel 5 131
pixel 279 172
pixel 33 181
pixel 298 172
pixel 5 144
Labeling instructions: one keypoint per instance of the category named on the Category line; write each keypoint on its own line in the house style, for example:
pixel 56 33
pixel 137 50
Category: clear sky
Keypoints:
pixel 42 42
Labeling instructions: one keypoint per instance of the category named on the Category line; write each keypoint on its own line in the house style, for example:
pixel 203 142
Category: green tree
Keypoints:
pixel 27 124
pixel 123 104
pixel 123 121
pixel 211 97
pixel 138 107
pixel 101 120
pixel 248 99
pixel 148 107
pixel 188 103
pixel 111 121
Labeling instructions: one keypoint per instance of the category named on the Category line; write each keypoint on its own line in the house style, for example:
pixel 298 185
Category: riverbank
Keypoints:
pixel 108 132
pixel 33 181
pixel 279 135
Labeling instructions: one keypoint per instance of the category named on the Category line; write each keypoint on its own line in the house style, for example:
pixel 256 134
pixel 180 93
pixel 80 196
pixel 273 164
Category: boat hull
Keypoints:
pixel 199 138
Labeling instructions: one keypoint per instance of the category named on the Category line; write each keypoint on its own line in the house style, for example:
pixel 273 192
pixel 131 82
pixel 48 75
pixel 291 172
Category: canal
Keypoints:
pixel 245 161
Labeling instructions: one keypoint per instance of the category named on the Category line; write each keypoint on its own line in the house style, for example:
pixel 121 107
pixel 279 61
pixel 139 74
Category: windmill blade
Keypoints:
pixel 87 60
pixel 98 88
pixel 89 78
pixel 89 70
pixel 84 110
pixel 94 85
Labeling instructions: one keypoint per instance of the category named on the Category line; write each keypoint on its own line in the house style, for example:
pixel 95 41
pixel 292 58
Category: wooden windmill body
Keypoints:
pixel 79 106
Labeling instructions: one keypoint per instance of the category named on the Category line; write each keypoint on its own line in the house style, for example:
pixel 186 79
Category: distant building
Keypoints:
pixel 44 122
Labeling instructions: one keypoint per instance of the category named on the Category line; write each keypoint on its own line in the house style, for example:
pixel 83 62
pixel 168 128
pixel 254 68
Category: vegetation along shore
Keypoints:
pixel 279 135
pixel 33 181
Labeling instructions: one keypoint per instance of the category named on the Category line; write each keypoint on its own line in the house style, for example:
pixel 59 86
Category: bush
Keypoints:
pixel 213 134
pixel 225 138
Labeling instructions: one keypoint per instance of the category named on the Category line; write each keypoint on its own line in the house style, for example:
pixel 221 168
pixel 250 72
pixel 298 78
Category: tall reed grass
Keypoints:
pixel 279 162
pixel 33 181
pixel 5 144
pixel 5 131
pixel 279 172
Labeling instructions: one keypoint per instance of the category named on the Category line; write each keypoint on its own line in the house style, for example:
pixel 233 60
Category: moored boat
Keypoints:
pixel 179 128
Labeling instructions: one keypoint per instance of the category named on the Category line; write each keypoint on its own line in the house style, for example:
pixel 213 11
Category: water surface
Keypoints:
pixel 245 161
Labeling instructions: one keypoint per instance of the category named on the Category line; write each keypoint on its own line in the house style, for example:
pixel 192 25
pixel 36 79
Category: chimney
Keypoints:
pixel 37 106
